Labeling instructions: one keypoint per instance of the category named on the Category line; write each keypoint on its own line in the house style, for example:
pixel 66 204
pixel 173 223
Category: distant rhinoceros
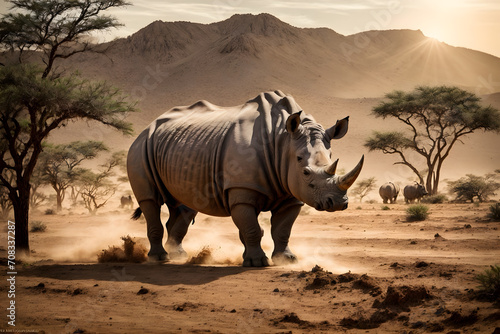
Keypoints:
pixel 264 155
pixel 389 192
pixel 414 192
pixel 126 201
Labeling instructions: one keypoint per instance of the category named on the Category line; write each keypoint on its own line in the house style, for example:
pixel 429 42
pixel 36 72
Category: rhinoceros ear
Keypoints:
pixel 293 122
pixel 338 130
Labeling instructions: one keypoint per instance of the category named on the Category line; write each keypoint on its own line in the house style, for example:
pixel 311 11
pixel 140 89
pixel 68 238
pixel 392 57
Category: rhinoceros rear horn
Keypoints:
pixel 332 168
pixel 345 181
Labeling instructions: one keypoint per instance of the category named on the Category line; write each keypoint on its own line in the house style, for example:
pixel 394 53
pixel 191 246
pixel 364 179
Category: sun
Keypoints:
pixel 435 34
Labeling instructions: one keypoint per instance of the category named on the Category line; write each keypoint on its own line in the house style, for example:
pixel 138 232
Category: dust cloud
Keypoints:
pixel 215 241
pixel 130 252
pixel 81 239
pixel 209 241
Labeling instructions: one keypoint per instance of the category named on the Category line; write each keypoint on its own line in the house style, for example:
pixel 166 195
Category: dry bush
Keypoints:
pixel 494 213
pixel 489 282
pixel 37 226
pixel 417 212
pixel 435 199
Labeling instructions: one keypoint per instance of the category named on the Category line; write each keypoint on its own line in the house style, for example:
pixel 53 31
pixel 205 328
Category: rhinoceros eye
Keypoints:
pixel 306 172
pixel 299 159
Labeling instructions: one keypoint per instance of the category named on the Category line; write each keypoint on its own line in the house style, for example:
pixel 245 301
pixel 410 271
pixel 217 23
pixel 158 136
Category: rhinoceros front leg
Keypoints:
pixel 151 211
pixel 281 226
pixel 245 218
pixel 177 226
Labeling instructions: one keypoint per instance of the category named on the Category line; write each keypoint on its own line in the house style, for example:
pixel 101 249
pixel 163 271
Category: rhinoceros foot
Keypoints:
pixel 284 258
pixel 157 254
pixel 158 258
pixel 255 258
pixel 176 252
pixel 256 262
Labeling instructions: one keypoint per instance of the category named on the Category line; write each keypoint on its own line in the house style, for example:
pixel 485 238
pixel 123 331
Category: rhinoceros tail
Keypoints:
pixel 137 214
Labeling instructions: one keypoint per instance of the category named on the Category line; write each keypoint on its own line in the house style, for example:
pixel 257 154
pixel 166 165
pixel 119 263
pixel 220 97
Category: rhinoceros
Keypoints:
pixel 126 201
pixel 264 155
pixel 389 192
pixel 414 192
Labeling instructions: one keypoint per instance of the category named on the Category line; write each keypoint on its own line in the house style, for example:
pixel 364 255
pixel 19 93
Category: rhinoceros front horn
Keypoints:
pixel 345 181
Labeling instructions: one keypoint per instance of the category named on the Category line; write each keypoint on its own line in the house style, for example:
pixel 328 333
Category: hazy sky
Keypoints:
pixel 473 24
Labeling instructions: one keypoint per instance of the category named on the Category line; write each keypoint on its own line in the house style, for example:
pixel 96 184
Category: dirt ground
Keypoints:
pixel 363 270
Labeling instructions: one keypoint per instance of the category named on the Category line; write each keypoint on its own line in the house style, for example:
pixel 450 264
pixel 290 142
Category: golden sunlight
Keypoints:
pixel 436 36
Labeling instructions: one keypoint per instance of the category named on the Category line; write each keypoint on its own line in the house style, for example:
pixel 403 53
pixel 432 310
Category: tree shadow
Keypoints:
pixel 156 274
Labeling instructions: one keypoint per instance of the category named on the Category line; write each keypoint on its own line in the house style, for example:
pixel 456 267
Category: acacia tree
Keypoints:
pixel 36 181
pixel 96 188
pixel 363 187
pixel 36 100
pixel 471 186
pixel 58 29
pixel 58 164
pixel 436 118
pixel 5 203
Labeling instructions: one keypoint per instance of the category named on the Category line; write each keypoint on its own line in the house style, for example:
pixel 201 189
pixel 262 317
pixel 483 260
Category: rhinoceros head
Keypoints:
pixel 421 191
pixel 312 175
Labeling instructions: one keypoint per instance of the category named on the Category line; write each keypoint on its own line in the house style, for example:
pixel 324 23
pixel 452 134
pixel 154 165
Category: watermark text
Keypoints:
pixel 11 273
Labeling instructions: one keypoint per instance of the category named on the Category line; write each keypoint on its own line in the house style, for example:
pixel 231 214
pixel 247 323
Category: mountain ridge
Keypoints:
pixel 166 64
pixel 364 59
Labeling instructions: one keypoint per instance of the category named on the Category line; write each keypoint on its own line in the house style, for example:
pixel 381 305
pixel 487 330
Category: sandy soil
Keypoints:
pixel 361 270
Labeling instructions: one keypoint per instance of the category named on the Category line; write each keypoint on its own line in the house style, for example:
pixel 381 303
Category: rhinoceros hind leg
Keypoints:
pixel 245 218
pixel 281 226
pixel 177 226
pixel 151 211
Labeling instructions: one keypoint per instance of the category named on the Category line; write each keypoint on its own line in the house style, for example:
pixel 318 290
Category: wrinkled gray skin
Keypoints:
pixel 265 155
pixel 414 192
pixel 389 192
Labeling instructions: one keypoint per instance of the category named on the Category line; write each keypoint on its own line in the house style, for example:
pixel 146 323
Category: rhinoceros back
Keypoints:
pixel 181 151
